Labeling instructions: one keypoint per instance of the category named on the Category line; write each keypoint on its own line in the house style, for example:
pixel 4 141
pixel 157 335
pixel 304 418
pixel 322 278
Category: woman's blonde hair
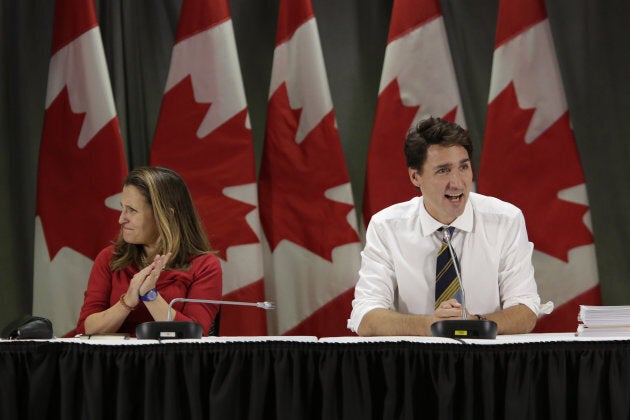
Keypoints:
pixel 180 229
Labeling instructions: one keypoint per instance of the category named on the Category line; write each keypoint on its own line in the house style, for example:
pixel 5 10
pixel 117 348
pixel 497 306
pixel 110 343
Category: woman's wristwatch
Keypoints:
pixel 149 296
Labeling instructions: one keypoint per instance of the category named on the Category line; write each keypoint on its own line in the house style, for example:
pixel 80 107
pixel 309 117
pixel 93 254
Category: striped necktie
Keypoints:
pixel 446 282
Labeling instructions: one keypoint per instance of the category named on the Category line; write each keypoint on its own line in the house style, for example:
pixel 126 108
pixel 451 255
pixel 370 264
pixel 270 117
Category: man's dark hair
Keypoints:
pixel 433 131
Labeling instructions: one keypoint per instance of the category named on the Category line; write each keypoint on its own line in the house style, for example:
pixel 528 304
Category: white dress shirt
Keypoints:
pixel 490 240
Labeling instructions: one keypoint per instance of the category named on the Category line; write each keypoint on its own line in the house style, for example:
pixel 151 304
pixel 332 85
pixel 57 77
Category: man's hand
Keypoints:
pixel 449 309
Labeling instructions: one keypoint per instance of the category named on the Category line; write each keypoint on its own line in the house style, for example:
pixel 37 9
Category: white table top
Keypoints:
pixel 500 339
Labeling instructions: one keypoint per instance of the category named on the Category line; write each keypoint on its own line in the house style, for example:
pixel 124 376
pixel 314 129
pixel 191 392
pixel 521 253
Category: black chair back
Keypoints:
pixel 216 324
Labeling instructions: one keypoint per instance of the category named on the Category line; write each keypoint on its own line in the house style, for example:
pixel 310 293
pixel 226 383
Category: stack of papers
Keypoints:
pixel 601 321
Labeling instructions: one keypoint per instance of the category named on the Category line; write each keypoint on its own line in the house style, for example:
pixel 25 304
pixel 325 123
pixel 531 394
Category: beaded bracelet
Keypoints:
pixel 122 302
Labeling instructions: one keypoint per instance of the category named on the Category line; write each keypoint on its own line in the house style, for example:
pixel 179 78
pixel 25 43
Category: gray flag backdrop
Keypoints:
pixel 592 44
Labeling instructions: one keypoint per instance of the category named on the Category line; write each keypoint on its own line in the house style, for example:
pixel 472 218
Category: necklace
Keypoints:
pixel 143 260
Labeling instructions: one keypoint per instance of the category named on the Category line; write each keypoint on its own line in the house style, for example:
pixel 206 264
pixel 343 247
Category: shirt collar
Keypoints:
pixel 464 222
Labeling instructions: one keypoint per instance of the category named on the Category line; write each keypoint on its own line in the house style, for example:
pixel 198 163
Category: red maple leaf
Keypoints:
pixel 74 183
pixel 294 178
pixel 224 158
pixel 530 176
pixel 387 181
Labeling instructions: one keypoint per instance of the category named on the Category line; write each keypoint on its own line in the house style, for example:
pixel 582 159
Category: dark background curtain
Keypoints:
pixel 592 45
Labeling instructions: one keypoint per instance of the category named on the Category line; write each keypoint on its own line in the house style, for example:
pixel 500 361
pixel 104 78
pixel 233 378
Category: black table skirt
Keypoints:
pixel 297 380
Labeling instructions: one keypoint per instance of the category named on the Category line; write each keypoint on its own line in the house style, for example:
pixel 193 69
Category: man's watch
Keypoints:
pixel 149 296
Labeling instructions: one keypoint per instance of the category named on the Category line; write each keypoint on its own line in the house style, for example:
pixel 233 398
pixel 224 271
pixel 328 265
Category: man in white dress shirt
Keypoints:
pixel 395 293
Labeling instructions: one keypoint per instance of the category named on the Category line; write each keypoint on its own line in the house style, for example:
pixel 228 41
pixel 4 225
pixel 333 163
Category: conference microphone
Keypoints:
pixel 172 330
pixel 462 328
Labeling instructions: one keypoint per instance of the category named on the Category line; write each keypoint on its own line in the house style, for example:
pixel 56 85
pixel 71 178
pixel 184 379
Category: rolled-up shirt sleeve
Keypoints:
pixel 376 287
pixel 517 284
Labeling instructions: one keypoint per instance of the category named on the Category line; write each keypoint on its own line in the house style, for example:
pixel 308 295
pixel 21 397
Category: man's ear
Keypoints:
pixel 414 177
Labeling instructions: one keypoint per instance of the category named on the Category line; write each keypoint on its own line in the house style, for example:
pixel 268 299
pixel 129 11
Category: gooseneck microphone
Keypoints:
pixel 462 328
pixel 172 330
pixel 263 305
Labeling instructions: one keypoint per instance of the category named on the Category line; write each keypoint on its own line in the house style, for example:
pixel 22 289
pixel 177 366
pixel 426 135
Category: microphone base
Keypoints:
pixel 465 328
pixel 168 330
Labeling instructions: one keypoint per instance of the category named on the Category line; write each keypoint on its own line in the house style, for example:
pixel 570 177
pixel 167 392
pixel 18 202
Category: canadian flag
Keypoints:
pixel 204 134
pixel 81 166
pixel 312 246
pixel 530 159
pixel 418 81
